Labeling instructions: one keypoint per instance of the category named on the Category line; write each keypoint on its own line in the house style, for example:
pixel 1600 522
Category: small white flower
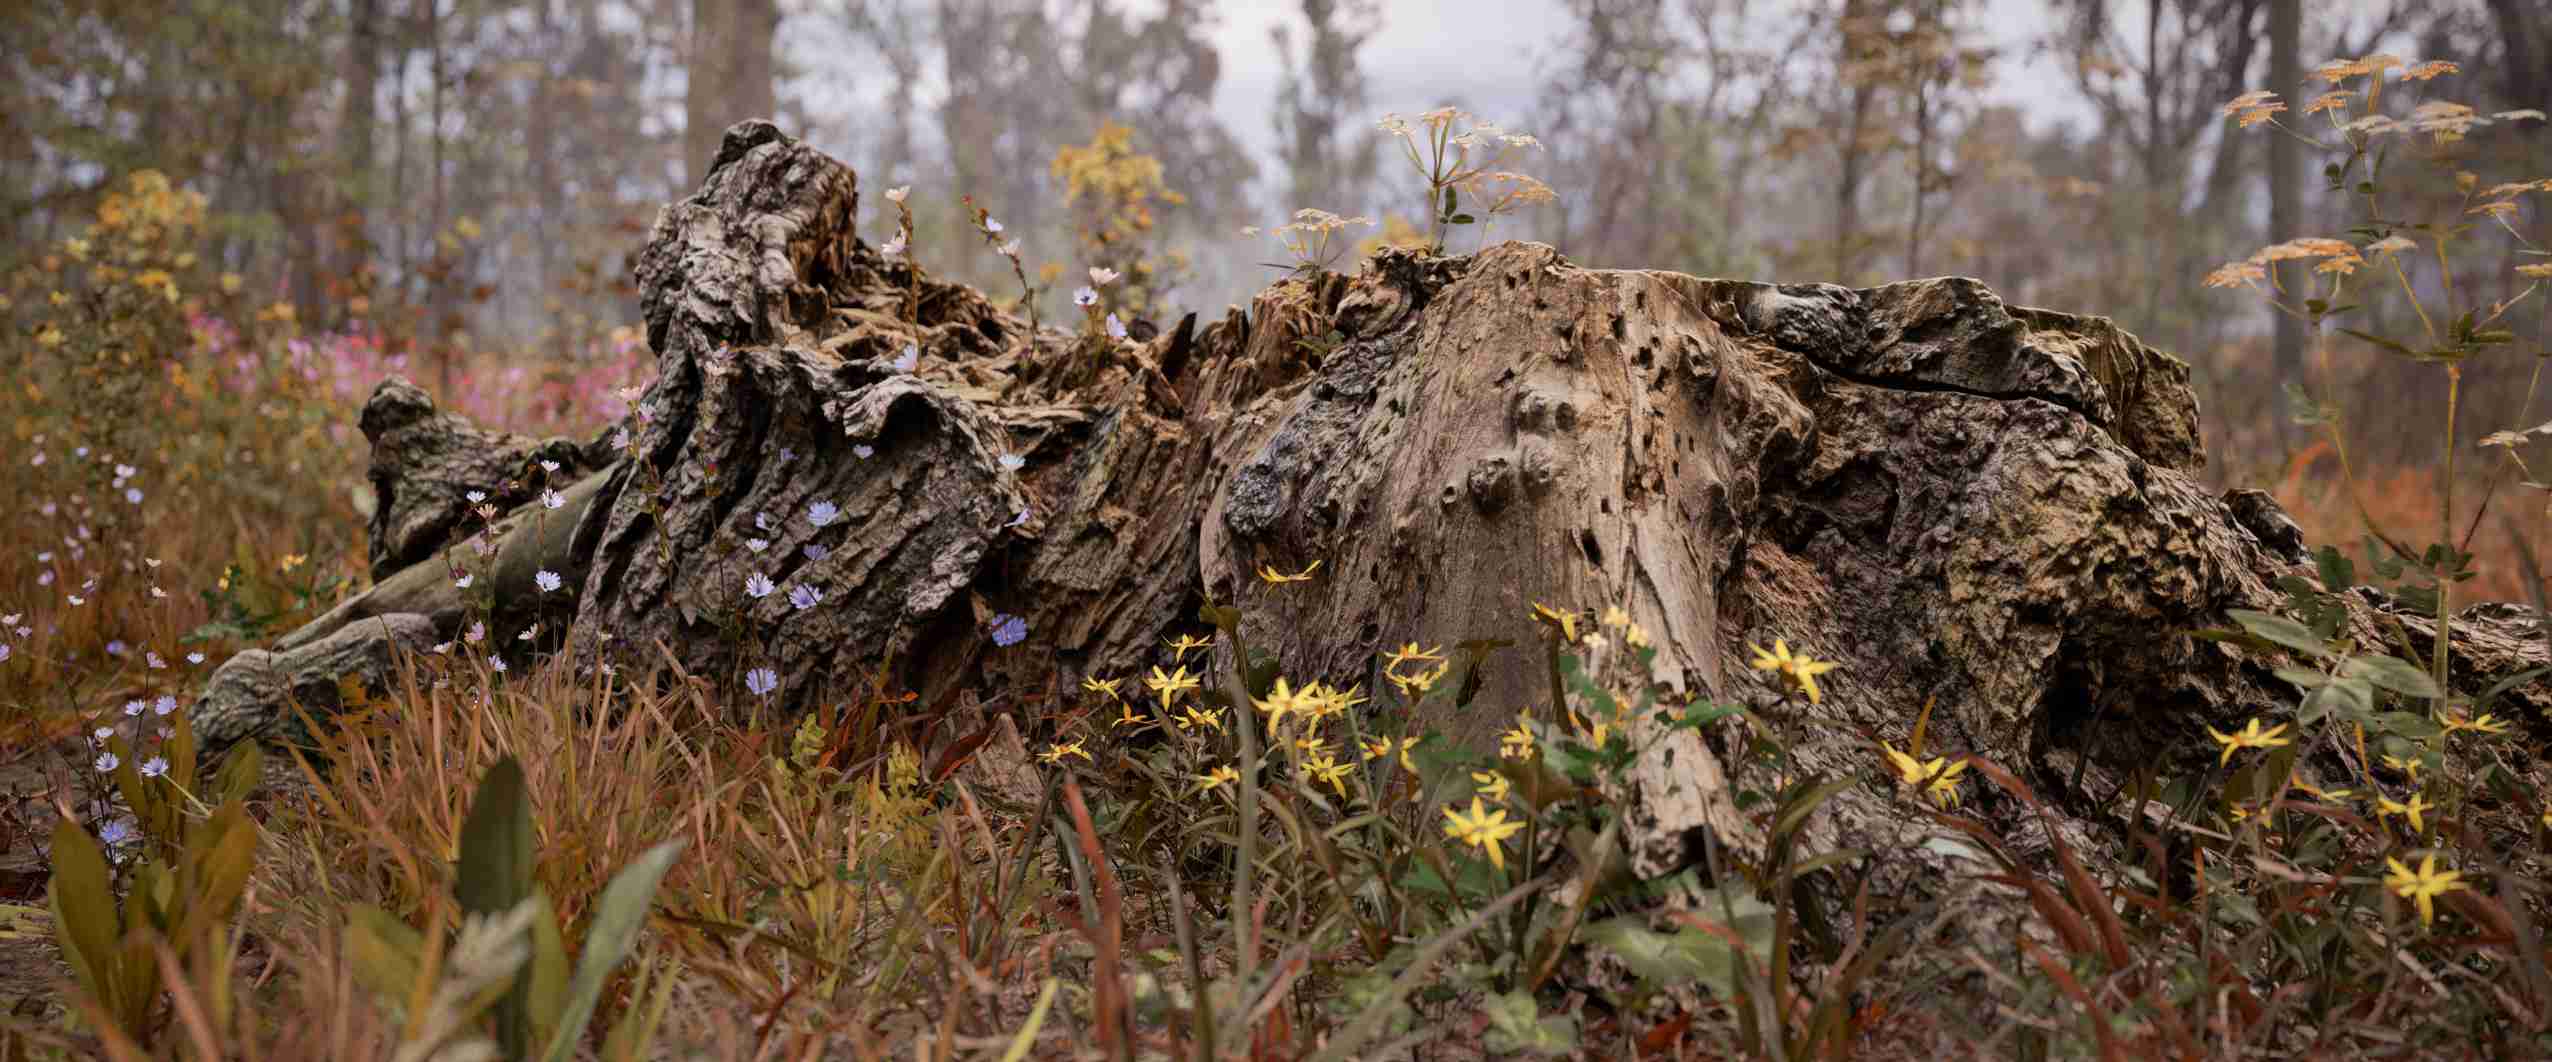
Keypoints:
pixel 10 620
pixel 133 495
pixel 465 580
pixel 1085 297
pixel 1009 250
pixel 822 513
pixel 476 496
pixel 761 521
pixel 194 658
pixel 1013 462
pixel 166 732
pixel 528 633
pixel 106 761
pixel 551 499
pixel 758 586
pixel 863 451
pixel 816 551
pixel 757 545
pixel 761 681
pixel 894 248
pixel 548 581
pixel 477 632
pixel 991 225
pixel 104 732
pixel 549 466
pixel 135 708
pixel 442 648
pixel 1017 520
pixel 154 767
pixel 1116 328
pixel 1101 276
pixel 620 439
pixel 910 359
pixel 805 597
pixel 158 594
pixel 496 663
pixel 164 705
pixel 153 659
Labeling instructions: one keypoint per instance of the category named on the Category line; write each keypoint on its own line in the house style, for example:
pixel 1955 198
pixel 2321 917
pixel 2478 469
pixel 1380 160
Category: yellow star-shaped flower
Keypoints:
pixel 1492 785
pixel 1183 644
pixel 1217 778
pixel 1377 748
pixel 1409 653
pixel 2418 805
pixel 1325 769
pixel 1269 574
pixel 1517 743
pixel 1565 621
pixel 2249 737
pixel 1482 828
pixel 1056 751
pixel 1126 717
pixel 1800 669
pixel 1206 717
pixel 1170 684
pixel 1095 684
pixel 2422 886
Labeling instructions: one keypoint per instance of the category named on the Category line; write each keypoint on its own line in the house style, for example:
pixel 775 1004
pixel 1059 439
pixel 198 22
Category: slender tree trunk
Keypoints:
pixel 730 72
pixel 1854 157
pixel 2285 183
pixel 355 139
pixel 542 153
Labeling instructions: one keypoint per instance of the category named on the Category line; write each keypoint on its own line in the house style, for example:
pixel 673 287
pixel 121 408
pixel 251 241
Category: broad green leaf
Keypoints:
pixel 494 874
pixel 85 924
pixel 618 917
pixel 1517 1026
pixel 384 952
pixel 2283 631
pixel 2392 673
pixel 545 983
pixel 239 773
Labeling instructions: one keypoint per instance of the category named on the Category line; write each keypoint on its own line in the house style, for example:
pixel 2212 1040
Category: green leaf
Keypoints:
pixel 494 874
pixel 239 774
pixel 1516 1026
pixel 1689 955
pixel 2280 630
pixel 618 917
pixel 2392 673
pixel 2380 341
pixel 85 924
pixel 1460 219
pixel 545 986
pixel 2501 687
pixel 383 951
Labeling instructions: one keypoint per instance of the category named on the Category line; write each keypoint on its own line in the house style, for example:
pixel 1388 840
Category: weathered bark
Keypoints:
pixel 1990 508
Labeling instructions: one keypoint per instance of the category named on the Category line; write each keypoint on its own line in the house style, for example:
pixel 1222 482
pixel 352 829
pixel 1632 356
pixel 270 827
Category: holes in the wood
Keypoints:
pixel 1594 550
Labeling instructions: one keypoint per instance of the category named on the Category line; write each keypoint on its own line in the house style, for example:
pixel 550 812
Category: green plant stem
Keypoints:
pixel 2445 540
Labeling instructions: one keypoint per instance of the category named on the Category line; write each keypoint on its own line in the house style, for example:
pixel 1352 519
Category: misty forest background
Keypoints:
pixel 466 180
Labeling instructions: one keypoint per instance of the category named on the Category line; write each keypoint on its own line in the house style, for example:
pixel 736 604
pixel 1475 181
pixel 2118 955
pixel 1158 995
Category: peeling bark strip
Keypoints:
pixel 1989 507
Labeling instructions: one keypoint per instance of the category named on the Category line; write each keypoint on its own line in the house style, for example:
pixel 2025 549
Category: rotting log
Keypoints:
pixel 1989 508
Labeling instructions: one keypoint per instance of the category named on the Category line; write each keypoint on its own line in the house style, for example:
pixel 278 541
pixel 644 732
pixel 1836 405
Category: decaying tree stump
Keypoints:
pixel 1990 508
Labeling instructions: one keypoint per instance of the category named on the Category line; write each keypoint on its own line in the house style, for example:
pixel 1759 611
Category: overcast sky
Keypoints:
pixel 1490 57
pixel 1484 55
